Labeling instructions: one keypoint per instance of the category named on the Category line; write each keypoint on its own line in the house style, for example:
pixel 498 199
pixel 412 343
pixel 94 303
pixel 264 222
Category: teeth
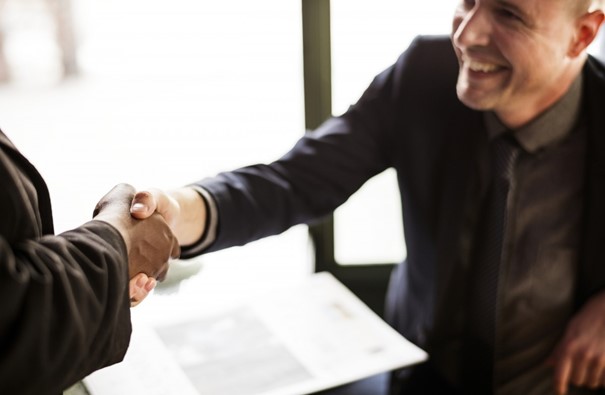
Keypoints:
pixel 483 67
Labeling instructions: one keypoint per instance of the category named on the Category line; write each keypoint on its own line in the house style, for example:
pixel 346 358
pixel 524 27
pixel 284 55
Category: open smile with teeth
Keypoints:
pixel 483 67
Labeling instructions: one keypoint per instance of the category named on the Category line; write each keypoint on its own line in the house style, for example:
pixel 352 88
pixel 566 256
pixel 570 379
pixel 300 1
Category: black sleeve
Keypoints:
pixel 65 308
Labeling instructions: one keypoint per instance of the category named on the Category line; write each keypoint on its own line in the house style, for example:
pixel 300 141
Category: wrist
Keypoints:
pixel 191 220
pixel 118 223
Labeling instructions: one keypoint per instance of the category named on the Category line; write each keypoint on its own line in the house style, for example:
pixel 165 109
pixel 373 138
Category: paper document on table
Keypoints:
pixel 297 341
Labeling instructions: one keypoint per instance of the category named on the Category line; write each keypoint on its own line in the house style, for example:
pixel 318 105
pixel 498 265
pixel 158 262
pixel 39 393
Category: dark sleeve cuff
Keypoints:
pixel 210 228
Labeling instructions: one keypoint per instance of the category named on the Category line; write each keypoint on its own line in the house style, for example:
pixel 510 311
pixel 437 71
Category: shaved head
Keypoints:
pixel 582 6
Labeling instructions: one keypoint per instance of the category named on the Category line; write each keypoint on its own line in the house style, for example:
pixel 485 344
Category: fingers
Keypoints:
pixel 580 355
pixel 595 375
pixel 152 244
pixel 589 370
pixel 571 366
pixel 161 275
pixel 582 367
pixel 176 249
pixel 139 288
pixel 584 375
pixel 579 370
pixel 562 375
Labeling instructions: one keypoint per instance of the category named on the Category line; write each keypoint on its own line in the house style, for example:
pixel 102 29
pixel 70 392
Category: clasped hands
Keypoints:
pixel 150 242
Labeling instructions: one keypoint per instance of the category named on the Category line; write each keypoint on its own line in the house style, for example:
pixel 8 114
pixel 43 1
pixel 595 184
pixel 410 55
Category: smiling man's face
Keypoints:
pixel 516 56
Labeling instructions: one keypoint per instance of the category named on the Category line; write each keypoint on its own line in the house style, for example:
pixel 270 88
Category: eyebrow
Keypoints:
pixel 514 7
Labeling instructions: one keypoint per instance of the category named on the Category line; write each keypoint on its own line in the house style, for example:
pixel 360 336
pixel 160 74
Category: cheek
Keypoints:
pixel 521 57
pixel 540 65
pixel 529 74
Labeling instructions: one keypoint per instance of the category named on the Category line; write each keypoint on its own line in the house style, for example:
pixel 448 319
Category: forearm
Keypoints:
pixel 66 308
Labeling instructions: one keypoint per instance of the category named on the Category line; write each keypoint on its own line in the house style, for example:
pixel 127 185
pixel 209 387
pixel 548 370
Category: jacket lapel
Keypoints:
pixel 462 194
pixel 592 270
pixel 25 166
pixel 5 142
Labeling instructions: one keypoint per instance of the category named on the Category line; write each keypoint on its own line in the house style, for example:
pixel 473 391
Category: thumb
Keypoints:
pixel 143 205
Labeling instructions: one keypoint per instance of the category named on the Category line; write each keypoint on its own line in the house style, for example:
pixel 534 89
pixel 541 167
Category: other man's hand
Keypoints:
pixel 579 358
pixel 150 242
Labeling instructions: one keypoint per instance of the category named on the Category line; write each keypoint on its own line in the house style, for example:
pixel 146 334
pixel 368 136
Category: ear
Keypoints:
pixel 587 29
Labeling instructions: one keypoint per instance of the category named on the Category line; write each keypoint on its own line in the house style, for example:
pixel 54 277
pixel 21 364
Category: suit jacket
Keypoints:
pixel 65 309
pixel 410 119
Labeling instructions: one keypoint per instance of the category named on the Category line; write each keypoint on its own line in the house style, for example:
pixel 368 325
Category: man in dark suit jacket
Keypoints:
pixel 517 75
pixel 65 300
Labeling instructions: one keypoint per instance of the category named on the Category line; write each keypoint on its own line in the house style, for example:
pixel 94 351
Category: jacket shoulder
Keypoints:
pixel 425 75
pixel 432 57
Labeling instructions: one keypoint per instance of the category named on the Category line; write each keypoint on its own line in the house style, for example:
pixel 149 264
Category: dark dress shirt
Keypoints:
pixel 541 245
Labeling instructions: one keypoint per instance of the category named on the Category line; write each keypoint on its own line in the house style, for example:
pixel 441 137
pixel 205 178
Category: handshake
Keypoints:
pixel 149 224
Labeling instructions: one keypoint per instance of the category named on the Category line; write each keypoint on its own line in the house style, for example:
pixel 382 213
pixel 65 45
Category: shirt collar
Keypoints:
pixel 552 125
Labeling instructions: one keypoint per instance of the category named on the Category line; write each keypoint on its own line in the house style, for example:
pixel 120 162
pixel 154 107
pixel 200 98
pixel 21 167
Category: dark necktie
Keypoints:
pixel 504 151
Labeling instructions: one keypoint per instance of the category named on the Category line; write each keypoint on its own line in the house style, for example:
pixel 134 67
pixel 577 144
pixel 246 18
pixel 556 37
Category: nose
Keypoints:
pixel 472 27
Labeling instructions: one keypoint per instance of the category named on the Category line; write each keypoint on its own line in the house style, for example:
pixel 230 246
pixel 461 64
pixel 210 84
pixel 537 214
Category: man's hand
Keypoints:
pixel 579 358
pixel 150 242
pixel 183 209
pixel 153 200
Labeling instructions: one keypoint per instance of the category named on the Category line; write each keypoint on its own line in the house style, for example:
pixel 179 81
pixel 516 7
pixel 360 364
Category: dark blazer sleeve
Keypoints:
pixel 65 308
pixel 323 169
pixel 64 304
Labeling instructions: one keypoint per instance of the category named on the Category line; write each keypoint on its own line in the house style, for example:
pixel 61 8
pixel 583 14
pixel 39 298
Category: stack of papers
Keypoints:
pixel 301 340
